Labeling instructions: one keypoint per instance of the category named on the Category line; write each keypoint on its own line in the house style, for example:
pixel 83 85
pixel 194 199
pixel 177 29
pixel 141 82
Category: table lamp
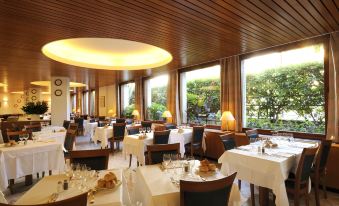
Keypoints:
pixel 111 112
pixel 166 115
pixel 135 114
pixel 225 118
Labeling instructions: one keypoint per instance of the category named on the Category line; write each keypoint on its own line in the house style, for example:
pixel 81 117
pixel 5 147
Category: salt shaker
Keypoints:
pixel 60 187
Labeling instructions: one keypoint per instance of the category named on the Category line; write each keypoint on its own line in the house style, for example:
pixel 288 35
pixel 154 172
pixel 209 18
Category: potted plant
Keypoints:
pixel 35 109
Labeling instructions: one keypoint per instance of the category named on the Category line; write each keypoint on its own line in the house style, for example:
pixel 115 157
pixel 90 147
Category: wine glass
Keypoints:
pixel 191 161
pixel 143 130
pixel 166 158
pixel 21 138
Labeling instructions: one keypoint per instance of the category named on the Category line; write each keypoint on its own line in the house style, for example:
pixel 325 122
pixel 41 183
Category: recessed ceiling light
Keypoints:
pixel 18 92
pixel 45 93
pixel 107 53
pixel 48 83
pixel 3 85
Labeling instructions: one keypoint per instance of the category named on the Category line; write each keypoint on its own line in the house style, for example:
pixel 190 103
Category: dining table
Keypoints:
pixel 89 128
pixel 51 133
pixel 154 186
pixel 136 146
pixel 31 158
pixel 41 192
pixel 268 170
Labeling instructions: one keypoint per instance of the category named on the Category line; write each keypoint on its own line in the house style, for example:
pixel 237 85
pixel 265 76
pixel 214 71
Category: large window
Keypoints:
pixel 127 99
pixel 85 102
pixel 285 90
pixel 92 103
pixel 200 95
pixel 155 93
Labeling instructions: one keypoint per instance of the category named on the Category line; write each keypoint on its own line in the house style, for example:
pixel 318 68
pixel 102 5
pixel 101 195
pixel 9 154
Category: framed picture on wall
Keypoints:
pixel 102 101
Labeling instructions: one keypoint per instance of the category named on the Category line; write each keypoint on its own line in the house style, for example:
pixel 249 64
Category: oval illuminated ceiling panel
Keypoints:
pixel 48 83
pixel 106 53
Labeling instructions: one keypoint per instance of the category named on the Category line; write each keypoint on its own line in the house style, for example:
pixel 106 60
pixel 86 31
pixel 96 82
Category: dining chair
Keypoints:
pixel 158 127
pixel 102 123
pixel 133 130
pixel 120 120
pixel 146 124
pixel 95 159
pixel 318 172
pixel 73 127
pixel 216 192
pixel 102 118
pixel 66 124
pixel 170 126
pixel 155 152
pixel 69 142
pixel 118 135
pixel 161 137
pixel 14 135
pixel 33 128
pixel 197 138
pixel 129 121
pixel 252 134
pixel 80 122
pixel 297 185
pixel 80 200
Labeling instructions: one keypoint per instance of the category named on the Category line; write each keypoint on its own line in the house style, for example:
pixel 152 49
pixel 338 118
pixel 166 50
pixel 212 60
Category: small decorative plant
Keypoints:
pixel 35 107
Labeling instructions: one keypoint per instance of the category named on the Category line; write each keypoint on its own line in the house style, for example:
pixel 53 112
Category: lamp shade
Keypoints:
pixel 110 111
pixel 167 114
pixel 227 115
pixel 135 112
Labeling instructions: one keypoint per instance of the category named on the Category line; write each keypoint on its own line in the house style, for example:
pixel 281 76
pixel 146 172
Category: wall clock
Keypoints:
pixel 33 98
pixel 58 82
pixel 58 92
pixel 33 91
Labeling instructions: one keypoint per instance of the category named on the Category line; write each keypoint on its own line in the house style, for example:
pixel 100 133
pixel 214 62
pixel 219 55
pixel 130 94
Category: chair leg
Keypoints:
pixel 28 180
pixel 252 194
pixel 324 189
pixel 37 175
pixel 130 160
pixel 296 199
pixel 307 201
pixel 50 172
pixel 316 191
pixel 239 184
pixel 10 186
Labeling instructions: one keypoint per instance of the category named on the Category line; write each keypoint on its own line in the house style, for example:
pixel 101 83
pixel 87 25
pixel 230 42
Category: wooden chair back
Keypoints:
pixel 66 124
pixel 322 155
pixel 80 122
pixel 80 200
pixel 159 127
pixel 198 134
pixel 228 141
pixel 69 140
pixel 119 131
pixel 133 130
pixel 146 124
pixel 216 193
pixel 120 120
pixel 14 135
pixel 95 159
pixel 161 137
pixel 33 128
pixel 305 165
pixel 170 126
pixel 73 126
pixel 252 134
pixel 156 151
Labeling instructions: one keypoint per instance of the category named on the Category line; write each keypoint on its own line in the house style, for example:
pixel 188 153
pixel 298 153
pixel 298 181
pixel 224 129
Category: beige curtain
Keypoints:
pixel 333 97
pixel 138 97
pixel 231 97
pixel 173 96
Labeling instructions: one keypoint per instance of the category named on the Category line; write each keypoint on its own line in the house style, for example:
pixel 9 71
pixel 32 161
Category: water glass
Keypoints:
pixel 166 160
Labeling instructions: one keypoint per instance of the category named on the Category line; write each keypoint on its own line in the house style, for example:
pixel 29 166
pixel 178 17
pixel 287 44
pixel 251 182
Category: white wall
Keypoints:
pixel 110 94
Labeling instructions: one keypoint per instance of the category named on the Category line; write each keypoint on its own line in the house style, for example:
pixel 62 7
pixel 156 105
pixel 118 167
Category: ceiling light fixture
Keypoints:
pixel 107 53
pixel 3 85
pixel 18 92
pixel 48 83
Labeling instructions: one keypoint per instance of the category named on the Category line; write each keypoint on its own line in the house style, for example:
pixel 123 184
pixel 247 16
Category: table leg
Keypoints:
pixel 130 160
pixel 263 196
pixel 10 186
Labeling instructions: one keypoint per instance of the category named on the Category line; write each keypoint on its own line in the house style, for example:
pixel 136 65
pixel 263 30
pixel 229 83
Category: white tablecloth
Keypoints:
pixel 266 170
pixel 102 134
pixel 154 187
pixel 90 128
pixel 49 136
pixel 51 128
pixel 48 186
pixel 29 159
pixel 133 145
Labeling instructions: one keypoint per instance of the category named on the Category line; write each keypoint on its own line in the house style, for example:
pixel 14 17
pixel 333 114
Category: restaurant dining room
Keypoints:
pixel 169 102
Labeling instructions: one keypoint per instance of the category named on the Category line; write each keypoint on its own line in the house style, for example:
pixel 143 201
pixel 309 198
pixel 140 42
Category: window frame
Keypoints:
pixel 189 69
pixel 120 103
pixel 290 46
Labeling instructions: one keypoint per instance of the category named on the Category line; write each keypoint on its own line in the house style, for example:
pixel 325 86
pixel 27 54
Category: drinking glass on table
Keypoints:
pixel 166 158
pixel 191 161
pixel 140 130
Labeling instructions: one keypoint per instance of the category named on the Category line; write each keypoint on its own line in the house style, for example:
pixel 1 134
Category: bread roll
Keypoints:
pixel 203 168
pixel 101 183
pixel 110 184
pixel 212 167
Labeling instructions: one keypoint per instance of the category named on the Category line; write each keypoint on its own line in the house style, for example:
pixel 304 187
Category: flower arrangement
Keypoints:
pixel 39 107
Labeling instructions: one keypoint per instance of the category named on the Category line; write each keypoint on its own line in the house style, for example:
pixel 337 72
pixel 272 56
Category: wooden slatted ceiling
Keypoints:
pixel 194 31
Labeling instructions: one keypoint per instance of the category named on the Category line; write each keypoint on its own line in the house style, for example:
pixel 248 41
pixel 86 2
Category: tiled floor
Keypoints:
pixel 117 160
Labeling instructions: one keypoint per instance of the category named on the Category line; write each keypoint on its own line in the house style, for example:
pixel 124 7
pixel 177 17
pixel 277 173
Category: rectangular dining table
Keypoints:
pixel 153 186
pixel 268 170
pixel 133 145
pixel 22 160
pixel 41 192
